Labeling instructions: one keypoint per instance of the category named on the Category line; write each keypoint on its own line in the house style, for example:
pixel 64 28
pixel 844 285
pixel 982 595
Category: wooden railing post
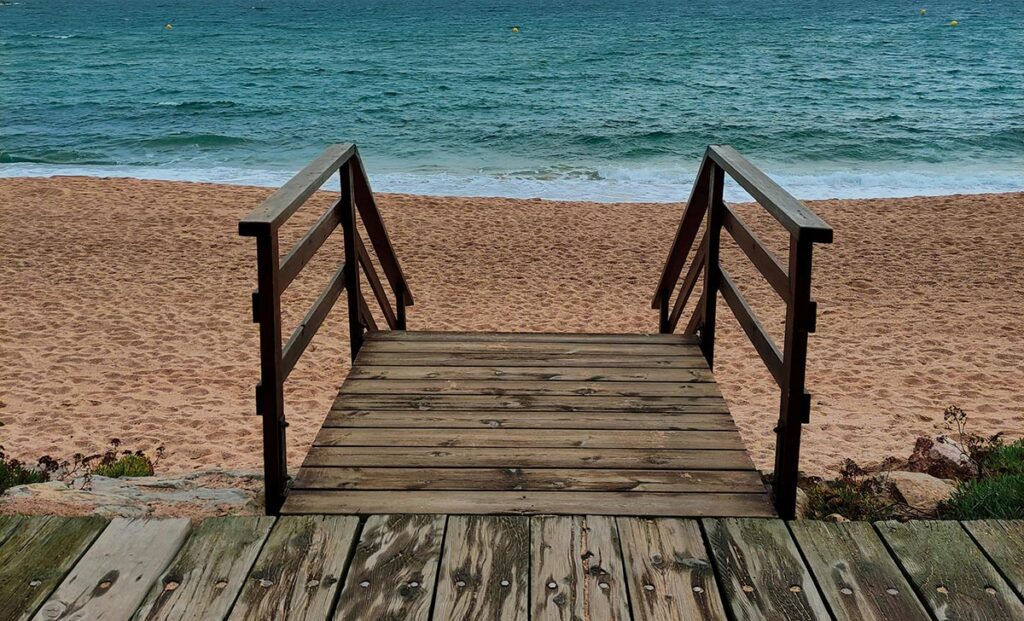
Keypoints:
pixel 712 273
pixel 270 391
pixel 348 226
pixel 664 325
pixel 795 405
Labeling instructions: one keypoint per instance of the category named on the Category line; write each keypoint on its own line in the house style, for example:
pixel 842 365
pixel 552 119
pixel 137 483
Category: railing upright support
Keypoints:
pixel 348 226
pixel 270 392
pixel 795 404
pixel 712 273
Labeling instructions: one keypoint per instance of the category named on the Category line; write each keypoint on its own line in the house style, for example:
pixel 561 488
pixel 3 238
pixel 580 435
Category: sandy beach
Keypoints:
pixel 125 312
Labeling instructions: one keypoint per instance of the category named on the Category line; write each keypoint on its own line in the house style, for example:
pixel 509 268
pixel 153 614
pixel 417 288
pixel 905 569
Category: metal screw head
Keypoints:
pixel 698 589
pixel 892 591
pixel 414 584
pixel 603 585
pixel 35 583
pixel 795 588
pixel 552 585
pixel 942 589
pixel 266 583
pixel 648 587
pixel 170 585
pixel 505 583
pixel 364 583
pixel 747 588
pixel 990 590
pixel 846 591
pixel 460 583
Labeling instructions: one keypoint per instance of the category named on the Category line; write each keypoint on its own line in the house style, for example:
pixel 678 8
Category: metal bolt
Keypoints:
pixel 364 583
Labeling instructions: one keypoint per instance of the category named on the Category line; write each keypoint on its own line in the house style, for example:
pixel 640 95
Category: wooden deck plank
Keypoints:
pixel 950 573
pixel 1003 542
pixel 855 573
pixel 36 556
pixel 511 373
pixel 498 419
pixel 576 569
pixel 532 337
pixel 485 569
pixel 528 438
pixel 394 570
pixel 299 569
pixel 541 388
pixel 530 503
pixel 8 524
pixel 442 457
pixel 693 360
pixel 644 348
pixel 669 573
pixel 529 479
pixel 114 575
pixel 761 571
pixel 577 403
pixel 208 573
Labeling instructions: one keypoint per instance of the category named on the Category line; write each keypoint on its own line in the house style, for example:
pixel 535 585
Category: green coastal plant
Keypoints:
pixel 124 464
pixel 13 472
pixel 992 498
pixel 855 495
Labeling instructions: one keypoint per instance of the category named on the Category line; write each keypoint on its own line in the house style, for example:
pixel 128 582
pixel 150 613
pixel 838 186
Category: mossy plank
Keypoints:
pixel 761 572
pixel 298 571
pixel 203 580
pixel 485 569
pixel 950 572
pixel 669 572
pixel 394 570
pixel 856 575
pixel 35 558
pixel 114 575
pixel 576 569
pixel 1003 541
pixel 8 524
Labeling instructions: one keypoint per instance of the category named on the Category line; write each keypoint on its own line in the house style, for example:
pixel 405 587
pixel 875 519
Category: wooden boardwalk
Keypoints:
pixel 421 567
pixel 441 422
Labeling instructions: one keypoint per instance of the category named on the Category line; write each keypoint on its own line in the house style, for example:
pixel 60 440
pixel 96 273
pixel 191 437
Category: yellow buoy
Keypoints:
pixel 923 11
pixel 954 23
pixel 515 28
pixel 168 27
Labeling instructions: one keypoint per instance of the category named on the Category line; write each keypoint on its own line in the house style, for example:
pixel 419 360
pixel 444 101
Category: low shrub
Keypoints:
pixel 998 497
pixel 13 472
pixel 112 464
pixel 855 495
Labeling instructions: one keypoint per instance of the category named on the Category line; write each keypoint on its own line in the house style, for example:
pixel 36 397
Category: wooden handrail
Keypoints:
pixel 275 274
pixel 792 283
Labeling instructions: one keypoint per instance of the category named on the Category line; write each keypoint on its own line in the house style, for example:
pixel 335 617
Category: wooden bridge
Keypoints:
pixel 509 568
pixel 613 424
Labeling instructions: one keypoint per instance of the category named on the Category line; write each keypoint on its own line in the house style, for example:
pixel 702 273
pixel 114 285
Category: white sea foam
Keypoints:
pixel 613 185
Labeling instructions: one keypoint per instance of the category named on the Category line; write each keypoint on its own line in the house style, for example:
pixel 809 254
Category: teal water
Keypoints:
pixel 596 99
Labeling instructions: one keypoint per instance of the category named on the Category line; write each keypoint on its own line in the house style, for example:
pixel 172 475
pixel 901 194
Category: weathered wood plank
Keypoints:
pixel 35 558
pixel 526 347
pixel 8 524
pixel 499 419
pixel 522 373
pixel 535 337
pixel 762 574
pixel 858 578
pixel 441 457
pixel 576 569
pixel 668 571
pixel 528 438
pixel 518 503
pixel 393 572
pixel 206 576
pixel 1003 542
pixel 693 360
pixel 485 569
pixel 539 388
pixel 425 403
pixel 951 574
pixel 297 574
pixel 112 578
pixel 529 479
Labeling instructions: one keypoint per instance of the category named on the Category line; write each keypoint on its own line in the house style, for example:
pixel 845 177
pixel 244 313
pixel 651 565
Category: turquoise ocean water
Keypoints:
pixel 599 99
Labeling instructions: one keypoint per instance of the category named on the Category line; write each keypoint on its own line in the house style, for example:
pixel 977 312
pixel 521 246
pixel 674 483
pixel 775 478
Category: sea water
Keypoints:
pixel 567 99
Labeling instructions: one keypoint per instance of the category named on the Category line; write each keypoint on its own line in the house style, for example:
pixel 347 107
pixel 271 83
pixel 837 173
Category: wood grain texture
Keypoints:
pixel 644 348
pixel 426 457
pixel 762 574
pixel 533 337
pixel 692 360
pixel 544 388
pixel 523 373
pixel 1003 542
pixel 950 573
pixel 8 524
pixel 299 570
pixel 499 419
pixel 485 569
pixel 114 575
pixel 206 576
pixel 576 569
pixel 669 573
pixel 394 570
pixel 547 403
pixel 528 503
pixel 36 556
pixel 527 438
pixel 540 479
pixel 856 574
